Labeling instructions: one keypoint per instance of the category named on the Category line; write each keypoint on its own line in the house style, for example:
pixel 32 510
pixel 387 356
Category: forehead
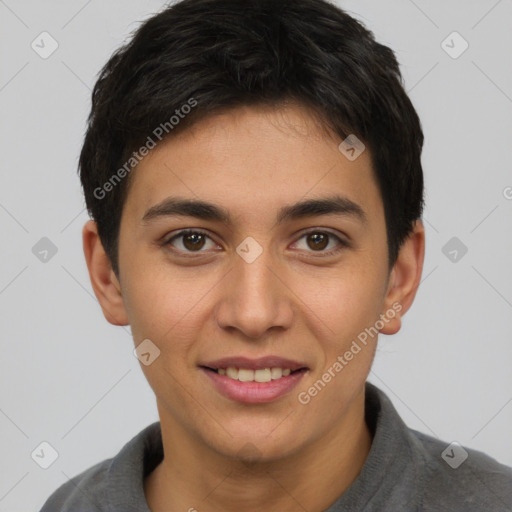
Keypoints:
pixel 251 161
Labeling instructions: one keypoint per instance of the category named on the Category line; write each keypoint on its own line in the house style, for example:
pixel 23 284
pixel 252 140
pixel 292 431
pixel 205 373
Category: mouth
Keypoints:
pixel 254 381
pixel 250 375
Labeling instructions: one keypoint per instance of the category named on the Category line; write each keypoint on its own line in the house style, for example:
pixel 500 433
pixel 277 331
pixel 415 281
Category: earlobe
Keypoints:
pixel 404 279
pixel 104 282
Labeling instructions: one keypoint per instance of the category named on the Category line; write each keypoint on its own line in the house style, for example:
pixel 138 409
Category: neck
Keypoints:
pixel 194 476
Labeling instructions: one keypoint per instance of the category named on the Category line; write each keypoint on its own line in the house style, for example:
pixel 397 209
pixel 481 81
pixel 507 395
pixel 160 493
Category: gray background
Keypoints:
pixel 69 378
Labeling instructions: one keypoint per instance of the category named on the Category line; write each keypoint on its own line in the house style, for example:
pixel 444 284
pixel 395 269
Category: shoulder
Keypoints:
pixel 460 478
pixel 116 481
pixel 83 493
pixel 422 473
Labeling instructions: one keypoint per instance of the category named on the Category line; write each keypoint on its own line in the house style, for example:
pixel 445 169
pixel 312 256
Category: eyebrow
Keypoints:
pixel 332 205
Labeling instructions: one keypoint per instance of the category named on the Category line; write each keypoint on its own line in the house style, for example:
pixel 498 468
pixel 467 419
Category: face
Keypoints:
pixel 266 270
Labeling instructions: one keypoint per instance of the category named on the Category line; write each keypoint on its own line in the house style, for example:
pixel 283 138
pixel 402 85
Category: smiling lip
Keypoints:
pixel 254 392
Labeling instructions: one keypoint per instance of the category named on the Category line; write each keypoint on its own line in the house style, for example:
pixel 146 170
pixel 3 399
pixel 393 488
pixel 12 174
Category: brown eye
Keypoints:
pixel 193 241
pixel 190 241
pixel 324 243
pixel 317 241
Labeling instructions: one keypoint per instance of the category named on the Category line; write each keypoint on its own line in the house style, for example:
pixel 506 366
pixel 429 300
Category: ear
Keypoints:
pixel 404 279
pixel 103 279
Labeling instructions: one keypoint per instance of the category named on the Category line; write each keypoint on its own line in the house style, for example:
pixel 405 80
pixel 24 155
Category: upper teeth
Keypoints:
pixel 247 375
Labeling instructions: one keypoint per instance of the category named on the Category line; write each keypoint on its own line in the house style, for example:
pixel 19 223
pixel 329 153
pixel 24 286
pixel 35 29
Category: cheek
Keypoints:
pixel 346 307
pixel 342 302
pixel 166 305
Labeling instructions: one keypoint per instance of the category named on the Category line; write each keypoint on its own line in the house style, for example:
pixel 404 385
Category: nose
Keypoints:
pixel 255 297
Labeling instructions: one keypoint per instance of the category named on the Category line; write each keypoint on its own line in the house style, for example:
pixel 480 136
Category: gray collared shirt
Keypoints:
pixel 405 470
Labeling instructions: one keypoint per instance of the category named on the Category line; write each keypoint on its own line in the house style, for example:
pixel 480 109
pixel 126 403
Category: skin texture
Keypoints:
pixel 292 301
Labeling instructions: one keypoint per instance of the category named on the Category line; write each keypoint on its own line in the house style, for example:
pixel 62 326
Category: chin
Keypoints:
pixel 256 448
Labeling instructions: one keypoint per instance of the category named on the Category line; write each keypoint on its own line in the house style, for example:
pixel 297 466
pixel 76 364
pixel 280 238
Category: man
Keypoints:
pixel 253 174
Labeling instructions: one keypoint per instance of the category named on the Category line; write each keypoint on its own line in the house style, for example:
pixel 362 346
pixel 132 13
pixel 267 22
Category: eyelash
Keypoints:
pixel 342 244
